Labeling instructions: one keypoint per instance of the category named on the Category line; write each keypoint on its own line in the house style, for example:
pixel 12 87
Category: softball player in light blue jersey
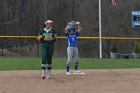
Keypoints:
pixel 71 33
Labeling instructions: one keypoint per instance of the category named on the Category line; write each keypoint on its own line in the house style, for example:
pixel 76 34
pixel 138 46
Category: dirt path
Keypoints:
pixel 95 81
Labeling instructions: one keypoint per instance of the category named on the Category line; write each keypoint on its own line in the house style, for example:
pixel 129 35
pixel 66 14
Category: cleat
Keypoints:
pixel 49 74
pixel 68 73
pixel 48 77
pixel 43 72
pixel 43 76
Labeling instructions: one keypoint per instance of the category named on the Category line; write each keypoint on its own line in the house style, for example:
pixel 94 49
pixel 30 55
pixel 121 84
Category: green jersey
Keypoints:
pixel 51 33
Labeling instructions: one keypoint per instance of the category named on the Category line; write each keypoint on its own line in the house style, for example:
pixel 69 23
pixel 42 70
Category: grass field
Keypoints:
pixel 59 63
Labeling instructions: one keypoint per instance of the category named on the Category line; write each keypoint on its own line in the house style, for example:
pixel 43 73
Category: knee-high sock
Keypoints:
pixel 49 67
pixel 76 65
pixel 43 69
pixel 68 66
pixel 43 66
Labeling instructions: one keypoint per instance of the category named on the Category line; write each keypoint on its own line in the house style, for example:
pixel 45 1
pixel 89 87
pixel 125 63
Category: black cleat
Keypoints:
pixel 43 76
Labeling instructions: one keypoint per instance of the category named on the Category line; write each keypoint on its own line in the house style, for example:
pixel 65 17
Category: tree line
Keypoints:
pixel 26 17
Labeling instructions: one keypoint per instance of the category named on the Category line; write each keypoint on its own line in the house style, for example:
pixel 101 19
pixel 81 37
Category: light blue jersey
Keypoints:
pixel 72 39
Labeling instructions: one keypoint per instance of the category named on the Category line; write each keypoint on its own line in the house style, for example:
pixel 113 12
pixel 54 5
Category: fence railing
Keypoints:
pixel 63 37
pixel 81 37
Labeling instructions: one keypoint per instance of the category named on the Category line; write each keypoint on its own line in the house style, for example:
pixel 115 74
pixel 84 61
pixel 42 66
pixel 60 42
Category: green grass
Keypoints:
pixel 59 63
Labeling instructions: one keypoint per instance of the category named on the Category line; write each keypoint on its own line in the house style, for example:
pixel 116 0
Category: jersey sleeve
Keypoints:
pixel 77 33
pixel 67 33
pixel 40 32
pixel 55 33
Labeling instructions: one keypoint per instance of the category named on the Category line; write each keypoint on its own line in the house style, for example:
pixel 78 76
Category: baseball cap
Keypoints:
pixel 49 21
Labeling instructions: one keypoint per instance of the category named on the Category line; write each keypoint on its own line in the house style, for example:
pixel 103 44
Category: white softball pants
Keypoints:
pixel 72 52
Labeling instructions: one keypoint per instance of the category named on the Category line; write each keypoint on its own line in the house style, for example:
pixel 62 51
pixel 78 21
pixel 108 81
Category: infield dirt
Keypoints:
pixel 95 81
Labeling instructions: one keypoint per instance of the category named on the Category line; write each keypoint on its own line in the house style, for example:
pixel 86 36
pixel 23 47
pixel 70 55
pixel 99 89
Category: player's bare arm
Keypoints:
pixel 79 28
pixel 66 28
pixel 54 37
pixel 39 37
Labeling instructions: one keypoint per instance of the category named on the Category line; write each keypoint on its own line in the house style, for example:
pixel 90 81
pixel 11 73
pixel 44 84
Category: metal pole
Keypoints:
pixel 100 30
pixel 2 47
pixel 108 42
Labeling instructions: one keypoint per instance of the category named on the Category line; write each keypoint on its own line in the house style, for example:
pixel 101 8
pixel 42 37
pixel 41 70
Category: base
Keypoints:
pixel 81 73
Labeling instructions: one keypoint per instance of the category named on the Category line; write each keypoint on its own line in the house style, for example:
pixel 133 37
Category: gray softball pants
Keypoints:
pixel 72 52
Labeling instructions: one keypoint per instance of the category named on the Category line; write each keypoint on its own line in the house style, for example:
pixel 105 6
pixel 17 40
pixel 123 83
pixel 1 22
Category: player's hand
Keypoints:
pixel 48 38
pixel 39 37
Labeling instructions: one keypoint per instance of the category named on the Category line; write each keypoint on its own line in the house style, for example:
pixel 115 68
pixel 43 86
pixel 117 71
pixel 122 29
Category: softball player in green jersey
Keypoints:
pixel 47 38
